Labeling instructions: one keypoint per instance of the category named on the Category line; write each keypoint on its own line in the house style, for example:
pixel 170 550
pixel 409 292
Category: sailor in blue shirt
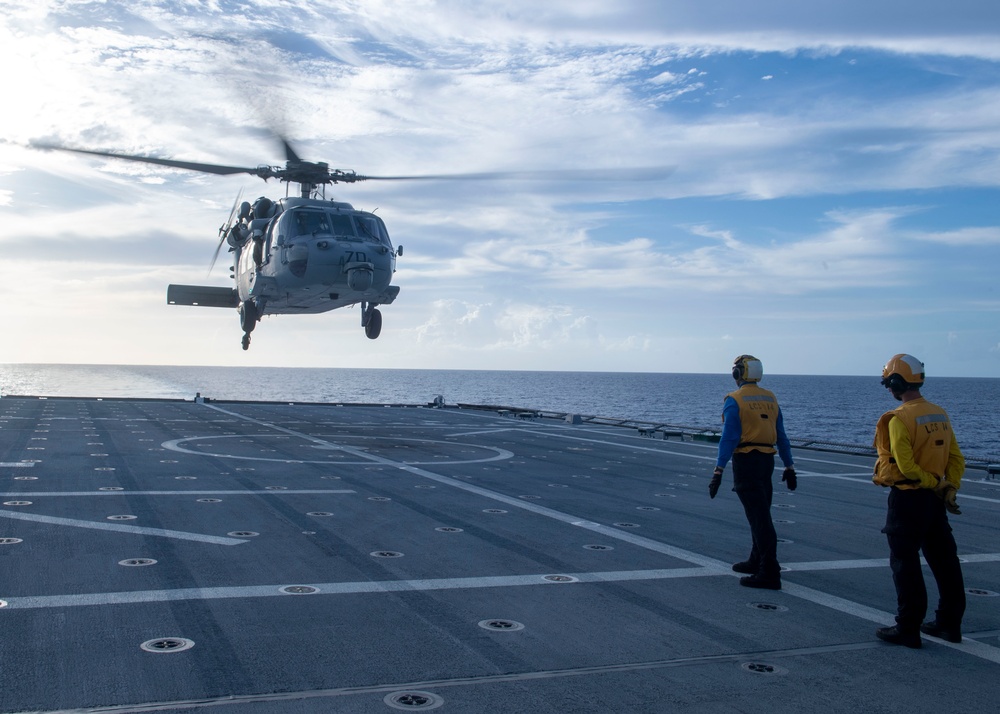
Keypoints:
pixel 752 428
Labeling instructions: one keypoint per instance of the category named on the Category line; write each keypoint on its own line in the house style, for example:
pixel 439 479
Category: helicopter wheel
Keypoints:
pixel 373 328
pixel 246 341
pixel 248 316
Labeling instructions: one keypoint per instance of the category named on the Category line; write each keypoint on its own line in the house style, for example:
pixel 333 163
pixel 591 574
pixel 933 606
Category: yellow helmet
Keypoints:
pixel 747 368
pixel 902 372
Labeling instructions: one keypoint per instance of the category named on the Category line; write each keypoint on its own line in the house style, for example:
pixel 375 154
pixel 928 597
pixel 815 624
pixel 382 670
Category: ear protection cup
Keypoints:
pixel 907 369
pixel 747 368
pixel 896 383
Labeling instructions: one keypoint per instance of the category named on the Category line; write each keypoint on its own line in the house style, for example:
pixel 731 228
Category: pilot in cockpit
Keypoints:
pixel 310 223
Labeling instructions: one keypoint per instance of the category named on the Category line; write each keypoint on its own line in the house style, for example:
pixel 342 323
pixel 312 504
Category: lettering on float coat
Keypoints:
pixel 758 417
pixel 930 438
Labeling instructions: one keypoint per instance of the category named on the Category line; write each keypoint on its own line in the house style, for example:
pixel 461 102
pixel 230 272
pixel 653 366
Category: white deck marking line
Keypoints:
pixel 269 492
pixel 486 679
pixel 121 528
pixel 620 445
pixel 839 564
pixel 835 463
pixel 477 433
pixel 175 445
pixel 467 583
pixel 348 588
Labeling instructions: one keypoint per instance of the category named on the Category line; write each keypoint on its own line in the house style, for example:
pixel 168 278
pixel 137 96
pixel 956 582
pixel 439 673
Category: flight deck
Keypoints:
pixel 272 558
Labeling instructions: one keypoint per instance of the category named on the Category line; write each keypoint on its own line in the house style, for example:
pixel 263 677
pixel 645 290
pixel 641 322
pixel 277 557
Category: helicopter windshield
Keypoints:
pixel 309 222
pixel 342 226
pixel 372 228
pixel 312 222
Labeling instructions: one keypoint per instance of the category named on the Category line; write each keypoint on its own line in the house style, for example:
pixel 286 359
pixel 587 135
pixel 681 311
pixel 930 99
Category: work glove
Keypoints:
pixel 947 492
pixel 713 485
pixel 788 476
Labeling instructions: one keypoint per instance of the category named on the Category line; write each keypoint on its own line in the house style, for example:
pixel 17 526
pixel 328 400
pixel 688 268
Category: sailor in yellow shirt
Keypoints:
pixel 920 461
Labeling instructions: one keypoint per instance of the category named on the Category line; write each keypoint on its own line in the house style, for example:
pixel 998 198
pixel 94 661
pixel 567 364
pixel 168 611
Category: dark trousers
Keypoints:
pixel 917 522
pixel 752 483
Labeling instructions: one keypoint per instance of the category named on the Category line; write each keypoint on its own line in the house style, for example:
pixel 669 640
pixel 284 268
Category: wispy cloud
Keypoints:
pixel 824 158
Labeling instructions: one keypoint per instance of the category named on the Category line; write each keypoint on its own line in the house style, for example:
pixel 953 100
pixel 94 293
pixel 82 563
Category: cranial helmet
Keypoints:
pixel 903 372
pixel 747 368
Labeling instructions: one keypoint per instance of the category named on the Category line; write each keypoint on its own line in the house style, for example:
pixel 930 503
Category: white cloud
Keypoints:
pixel 971 236
pixel 507 325
pixel 667 78
pixel 440 86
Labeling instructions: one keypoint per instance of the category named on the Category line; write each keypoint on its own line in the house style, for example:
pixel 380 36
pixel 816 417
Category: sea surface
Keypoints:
pixel 826 408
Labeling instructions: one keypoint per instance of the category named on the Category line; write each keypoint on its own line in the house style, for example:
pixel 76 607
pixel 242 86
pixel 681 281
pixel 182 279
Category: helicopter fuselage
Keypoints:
pixel 312 256
pixel 302 256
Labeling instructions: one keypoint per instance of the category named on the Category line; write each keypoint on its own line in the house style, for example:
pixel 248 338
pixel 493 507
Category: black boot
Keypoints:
pixel 894 636
pixel 759 581
pixel 936 629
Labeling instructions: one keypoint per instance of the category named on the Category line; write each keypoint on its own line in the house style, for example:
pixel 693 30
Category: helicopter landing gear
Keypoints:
pixel 371 320
pixel 249 316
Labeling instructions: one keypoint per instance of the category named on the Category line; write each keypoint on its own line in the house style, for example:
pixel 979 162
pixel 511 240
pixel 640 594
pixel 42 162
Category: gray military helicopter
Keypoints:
pixel 306 254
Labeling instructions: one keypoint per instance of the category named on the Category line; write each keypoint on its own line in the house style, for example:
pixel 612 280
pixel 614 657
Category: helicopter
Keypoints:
pixel 306 254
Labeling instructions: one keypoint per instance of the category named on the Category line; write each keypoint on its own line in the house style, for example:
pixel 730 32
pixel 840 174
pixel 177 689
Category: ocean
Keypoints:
pixel 825 408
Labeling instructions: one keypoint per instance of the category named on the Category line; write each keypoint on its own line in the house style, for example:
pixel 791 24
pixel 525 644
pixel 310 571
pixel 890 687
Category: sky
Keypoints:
pixel 831 194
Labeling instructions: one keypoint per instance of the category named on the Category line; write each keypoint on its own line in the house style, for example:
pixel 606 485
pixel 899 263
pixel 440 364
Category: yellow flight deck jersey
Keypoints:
pixel 916 447
pixel 758 419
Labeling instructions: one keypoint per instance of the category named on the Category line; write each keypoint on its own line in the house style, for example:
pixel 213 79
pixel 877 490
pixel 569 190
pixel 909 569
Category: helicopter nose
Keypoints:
pixel 360 276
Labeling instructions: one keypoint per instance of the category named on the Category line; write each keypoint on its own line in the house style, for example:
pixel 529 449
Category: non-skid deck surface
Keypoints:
pixel 264 558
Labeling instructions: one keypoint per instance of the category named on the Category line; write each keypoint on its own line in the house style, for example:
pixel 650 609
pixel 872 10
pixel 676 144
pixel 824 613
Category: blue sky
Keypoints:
pixel 832 200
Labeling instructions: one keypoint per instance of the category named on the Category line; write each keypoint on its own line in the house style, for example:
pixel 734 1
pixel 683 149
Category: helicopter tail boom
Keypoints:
pixel 202 296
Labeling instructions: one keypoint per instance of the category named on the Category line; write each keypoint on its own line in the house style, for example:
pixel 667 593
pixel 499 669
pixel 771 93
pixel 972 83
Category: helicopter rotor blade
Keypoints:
pixel 647 173
pixel 224 230
pixel 232 211
pixel 218 169
pixel 215 256
pixel 299 171
pixel 290 153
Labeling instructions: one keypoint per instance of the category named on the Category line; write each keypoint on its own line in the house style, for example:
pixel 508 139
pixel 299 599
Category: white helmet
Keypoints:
pixel 747 368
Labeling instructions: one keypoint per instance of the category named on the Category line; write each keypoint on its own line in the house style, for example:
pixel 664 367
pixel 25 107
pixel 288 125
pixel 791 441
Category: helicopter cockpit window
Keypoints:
pixel 310 222
pixel 342 226
pixel 372 228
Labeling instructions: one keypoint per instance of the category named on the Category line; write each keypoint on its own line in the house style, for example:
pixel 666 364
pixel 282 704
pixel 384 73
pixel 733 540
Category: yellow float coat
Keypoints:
pixel 758 419
pixel 916 447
